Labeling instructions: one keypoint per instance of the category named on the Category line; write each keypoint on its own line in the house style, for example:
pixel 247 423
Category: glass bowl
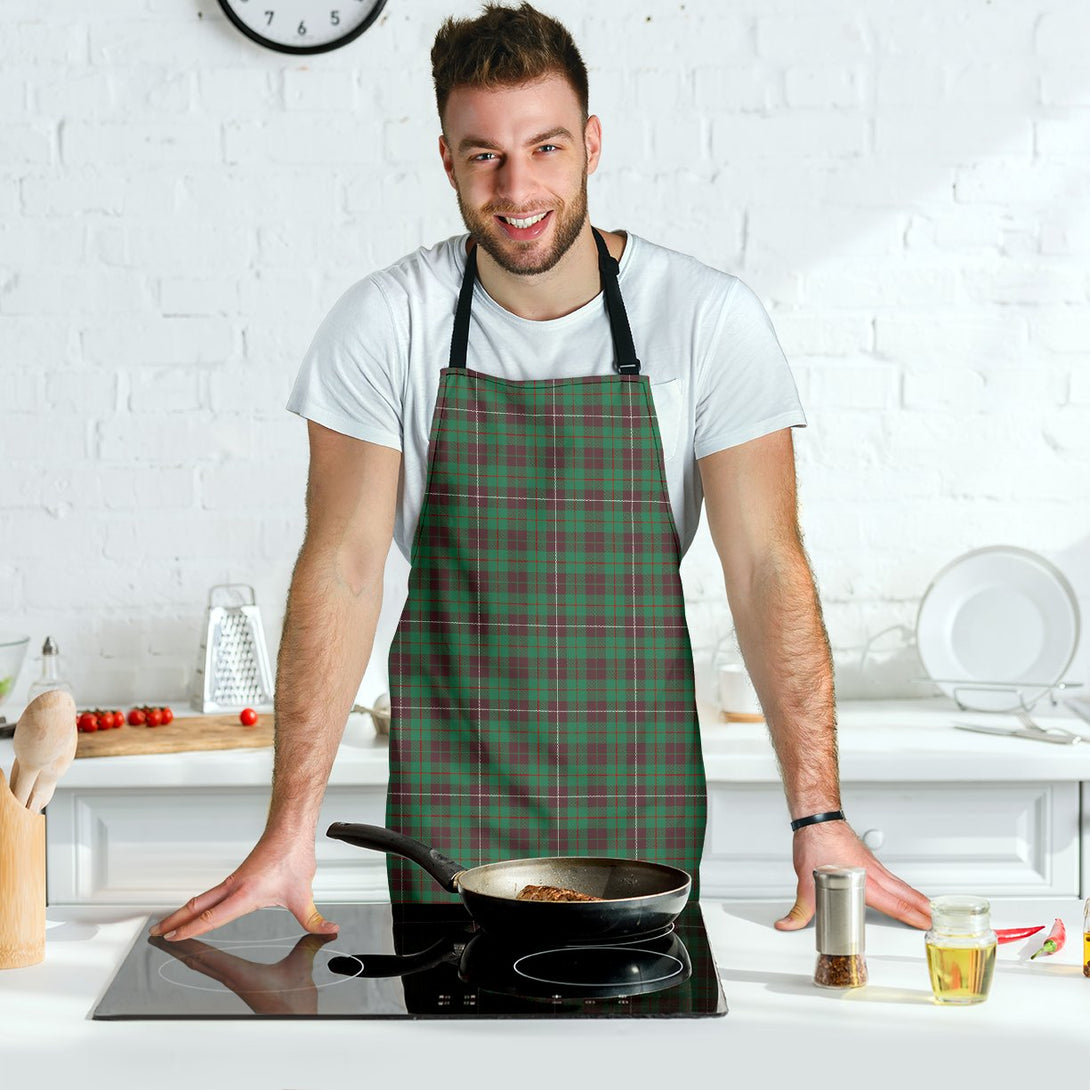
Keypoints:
pixel 12 652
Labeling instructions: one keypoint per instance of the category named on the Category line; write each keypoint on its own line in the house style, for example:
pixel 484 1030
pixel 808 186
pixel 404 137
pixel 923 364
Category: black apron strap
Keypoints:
pixel 459 340
pixel 624 351
pixel 625 361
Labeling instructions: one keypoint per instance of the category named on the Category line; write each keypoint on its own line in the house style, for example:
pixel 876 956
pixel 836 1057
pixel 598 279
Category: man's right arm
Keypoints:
pixel 329 630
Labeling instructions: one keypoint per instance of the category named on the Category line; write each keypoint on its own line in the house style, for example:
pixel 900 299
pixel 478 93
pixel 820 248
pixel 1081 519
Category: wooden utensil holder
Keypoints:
pixel 22 883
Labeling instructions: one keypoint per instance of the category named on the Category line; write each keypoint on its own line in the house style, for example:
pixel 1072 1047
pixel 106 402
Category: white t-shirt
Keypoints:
pixel 718 375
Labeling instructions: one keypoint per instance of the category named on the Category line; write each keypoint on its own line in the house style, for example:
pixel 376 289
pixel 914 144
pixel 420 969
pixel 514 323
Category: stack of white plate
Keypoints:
pixel 997 628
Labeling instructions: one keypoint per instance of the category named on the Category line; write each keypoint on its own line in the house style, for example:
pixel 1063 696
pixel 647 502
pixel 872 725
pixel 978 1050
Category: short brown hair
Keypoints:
pixel 504 47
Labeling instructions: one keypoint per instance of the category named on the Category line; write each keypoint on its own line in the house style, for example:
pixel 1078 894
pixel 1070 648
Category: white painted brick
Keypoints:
pixel 741 137
pixel 909 83
pixel 732 88
pixel 167 390
pixel 24 389
pixel 941 135
pixel 853 384
pixel 228 92
pixel 1079 392
pixel 1062 86
pixel 91 391
pixel 43 44
pixel 1062 34
pixel 803 238
pixel 139 487
pixel 66 440
pixel 1062 137
pixel 943 387
pixel 83 143
pixel 823 85
pixel 1017 181
pixel 294 139
pixel 191 296
pixel 319 91
pixel 821 332
pixel 177 440
pixel 254 390
pixel 165 42
pixel 1068 433
pixel 1006 389
pixel 948 333
pixel 176 537
pixel 29 145
pixel 1065 231
pixel 999 83
pixel 235 486
pixel 1024 282
pixel 798 38
pixel 1065 329
pixel 143 340
pixel 868 283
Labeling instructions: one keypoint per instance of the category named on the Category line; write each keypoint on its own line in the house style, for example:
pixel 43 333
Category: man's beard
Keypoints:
pixel 523 261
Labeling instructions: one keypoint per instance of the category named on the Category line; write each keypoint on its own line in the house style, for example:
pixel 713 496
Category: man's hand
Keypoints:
pixel 834 842
pixel 274 873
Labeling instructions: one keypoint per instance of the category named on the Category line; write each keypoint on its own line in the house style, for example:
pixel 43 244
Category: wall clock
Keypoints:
pixel 302 26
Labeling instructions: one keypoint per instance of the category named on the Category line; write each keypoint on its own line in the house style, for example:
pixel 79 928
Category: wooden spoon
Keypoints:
pixel 45 743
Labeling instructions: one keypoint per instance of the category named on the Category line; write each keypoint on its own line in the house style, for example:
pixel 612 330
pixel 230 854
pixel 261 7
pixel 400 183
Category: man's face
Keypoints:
pixel 518 158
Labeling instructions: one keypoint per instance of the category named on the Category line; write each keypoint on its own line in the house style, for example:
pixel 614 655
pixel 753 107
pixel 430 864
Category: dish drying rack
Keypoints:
pixel 962 688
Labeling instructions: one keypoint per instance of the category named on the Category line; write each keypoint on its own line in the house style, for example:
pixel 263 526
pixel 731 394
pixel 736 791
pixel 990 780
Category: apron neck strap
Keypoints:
pixel 625 361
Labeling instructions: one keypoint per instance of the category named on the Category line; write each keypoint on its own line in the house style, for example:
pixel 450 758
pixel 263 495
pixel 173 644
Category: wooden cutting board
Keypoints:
pixel 186 732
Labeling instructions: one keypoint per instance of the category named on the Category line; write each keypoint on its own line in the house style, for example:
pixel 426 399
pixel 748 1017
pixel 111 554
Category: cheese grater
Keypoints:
pixel 233 666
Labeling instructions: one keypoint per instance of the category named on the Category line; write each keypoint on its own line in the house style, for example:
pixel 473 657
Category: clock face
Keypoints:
pixel 302 26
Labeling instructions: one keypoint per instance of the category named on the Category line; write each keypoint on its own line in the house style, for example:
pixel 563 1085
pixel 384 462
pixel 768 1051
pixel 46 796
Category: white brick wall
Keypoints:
pixel 904 187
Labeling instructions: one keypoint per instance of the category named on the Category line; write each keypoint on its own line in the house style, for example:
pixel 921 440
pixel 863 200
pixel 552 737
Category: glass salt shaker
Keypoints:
pixel 839 907
pixel 51 672
pixel 961 949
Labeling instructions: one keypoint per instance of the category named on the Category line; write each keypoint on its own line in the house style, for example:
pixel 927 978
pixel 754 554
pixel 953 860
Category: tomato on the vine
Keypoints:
pixel 168 716
pixel 247 717
pixel 136 717
pixel 87 722
pixel 154 717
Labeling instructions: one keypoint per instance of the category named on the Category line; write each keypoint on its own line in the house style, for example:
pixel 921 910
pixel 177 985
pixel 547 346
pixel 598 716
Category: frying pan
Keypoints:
pixel 637 896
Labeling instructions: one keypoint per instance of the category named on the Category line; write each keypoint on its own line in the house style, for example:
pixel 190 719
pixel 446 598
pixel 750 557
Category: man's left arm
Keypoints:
pixel 751 503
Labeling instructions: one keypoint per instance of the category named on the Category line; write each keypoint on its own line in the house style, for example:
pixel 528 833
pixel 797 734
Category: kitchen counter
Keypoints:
pixel 780 1028
pixel 880 742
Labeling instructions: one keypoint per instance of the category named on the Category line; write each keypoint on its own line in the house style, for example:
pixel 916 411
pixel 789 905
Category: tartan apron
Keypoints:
pixel 541 675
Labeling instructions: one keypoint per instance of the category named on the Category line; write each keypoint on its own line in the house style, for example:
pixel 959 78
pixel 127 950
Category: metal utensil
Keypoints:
pixel 1056 735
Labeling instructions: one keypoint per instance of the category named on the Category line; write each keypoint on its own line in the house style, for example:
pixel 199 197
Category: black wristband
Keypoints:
pixel 816 819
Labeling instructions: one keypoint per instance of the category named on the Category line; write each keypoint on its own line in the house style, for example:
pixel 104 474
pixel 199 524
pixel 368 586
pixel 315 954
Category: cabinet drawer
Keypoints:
pixel 995 839
pixel 160 847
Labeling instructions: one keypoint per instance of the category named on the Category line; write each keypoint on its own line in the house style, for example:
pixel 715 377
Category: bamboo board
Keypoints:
pixel 186 732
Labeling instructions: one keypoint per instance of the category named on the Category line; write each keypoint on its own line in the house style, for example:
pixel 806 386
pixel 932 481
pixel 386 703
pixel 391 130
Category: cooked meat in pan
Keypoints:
pixel 552 893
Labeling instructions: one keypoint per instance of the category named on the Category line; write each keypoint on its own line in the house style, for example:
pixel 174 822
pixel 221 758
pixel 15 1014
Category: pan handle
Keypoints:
pixel 444 870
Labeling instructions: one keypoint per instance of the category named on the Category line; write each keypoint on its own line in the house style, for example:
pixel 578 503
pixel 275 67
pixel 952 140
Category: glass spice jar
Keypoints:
pixel 839 907
pixel 960 949
pixel 1086 938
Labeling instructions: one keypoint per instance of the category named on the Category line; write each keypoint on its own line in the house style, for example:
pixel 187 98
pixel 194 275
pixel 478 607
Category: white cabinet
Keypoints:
pixel 995 839
pixel 158 847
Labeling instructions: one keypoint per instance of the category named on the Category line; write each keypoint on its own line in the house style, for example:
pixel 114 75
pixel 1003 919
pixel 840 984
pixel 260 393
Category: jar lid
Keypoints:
pixel 961 914
pixel 833 877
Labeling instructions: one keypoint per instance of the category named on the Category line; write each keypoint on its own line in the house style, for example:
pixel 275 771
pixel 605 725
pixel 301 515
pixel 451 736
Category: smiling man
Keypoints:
pixel 536 411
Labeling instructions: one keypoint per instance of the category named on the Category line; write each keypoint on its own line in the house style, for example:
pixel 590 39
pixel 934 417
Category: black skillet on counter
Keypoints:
pixel 637 897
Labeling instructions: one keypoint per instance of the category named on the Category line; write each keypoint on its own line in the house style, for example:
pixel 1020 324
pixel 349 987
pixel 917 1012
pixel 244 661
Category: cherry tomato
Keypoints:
pixel 87 722
pixel 168 715
pixel 154 717
pixel 137 717
pixel 105 720
pixel 119 718
pixel 247 717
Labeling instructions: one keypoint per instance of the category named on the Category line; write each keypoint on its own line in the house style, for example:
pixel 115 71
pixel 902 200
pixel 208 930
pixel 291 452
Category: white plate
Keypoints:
pixel 997 627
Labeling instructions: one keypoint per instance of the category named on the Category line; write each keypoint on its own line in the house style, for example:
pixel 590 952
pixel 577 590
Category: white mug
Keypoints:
pixel 738 701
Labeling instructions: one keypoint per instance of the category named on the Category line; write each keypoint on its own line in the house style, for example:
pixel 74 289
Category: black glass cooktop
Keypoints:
pixel 426 962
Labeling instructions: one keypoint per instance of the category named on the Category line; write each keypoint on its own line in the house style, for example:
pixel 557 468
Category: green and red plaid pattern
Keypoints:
pixel 541 673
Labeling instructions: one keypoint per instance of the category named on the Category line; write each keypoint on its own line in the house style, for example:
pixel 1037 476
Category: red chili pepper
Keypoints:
pixel 1055 940
pixel 1013 934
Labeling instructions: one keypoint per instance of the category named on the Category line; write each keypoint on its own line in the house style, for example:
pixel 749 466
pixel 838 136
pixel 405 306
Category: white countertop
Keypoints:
pixel 780 1029
pixel 880 741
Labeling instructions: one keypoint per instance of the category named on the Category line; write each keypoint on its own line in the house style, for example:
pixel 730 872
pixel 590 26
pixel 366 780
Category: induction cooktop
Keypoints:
pixel 427 961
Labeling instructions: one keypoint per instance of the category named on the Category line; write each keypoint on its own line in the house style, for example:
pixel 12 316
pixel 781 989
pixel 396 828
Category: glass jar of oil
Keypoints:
pixel 960 949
